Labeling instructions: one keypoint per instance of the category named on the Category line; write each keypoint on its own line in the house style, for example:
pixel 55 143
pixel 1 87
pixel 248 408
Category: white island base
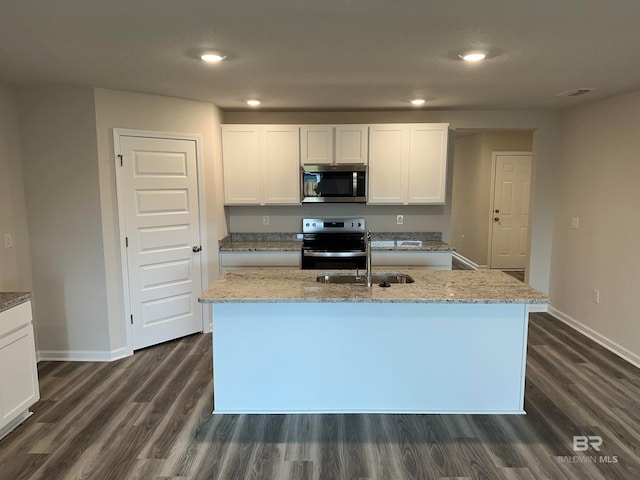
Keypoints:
pixel 368 357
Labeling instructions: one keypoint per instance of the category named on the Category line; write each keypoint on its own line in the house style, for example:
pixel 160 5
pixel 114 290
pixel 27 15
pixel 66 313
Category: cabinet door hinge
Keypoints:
pixel 131 319
pixel 121 157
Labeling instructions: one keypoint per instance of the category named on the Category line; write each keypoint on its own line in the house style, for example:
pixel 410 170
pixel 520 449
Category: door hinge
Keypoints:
pixel 121 157
pixel 131 319
pixel 126 242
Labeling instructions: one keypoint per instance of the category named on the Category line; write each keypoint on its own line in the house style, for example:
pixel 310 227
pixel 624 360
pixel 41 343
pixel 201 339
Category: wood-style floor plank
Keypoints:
pixel 149 417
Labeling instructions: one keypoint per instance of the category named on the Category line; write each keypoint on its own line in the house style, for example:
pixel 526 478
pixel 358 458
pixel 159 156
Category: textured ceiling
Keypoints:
pixel 329 54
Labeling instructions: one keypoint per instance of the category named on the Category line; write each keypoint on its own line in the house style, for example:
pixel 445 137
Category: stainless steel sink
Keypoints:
pixel 376 278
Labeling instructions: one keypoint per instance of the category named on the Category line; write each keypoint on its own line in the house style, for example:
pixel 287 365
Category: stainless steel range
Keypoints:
pixel 333 243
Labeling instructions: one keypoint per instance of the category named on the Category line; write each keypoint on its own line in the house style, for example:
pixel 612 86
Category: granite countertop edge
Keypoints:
pixel 431 286
pixel 12 299
pixel 460 301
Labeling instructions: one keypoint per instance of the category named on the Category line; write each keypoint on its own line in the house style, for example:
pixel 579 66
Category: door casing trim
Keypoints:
pixel 204 274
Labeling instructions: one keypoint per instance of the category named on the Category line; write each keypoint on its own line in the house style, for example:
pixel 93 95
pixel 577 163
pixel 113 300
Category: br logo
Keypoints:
pixel 582 443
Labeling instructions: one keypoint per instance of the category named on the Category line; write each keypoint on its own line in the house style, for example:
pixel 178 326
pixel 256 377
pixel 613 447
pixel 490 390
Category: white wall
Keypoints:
pixel 473 159
pixel 116 109
pixel 60 165
pixel 67 158
pixel 466 217
pixel 545 145
pixel 597 182
pixel 15 262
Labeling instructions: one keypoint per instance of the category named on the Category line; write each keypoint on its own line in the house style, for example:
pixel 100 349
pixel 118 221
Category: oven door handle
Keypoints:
pixel 334 254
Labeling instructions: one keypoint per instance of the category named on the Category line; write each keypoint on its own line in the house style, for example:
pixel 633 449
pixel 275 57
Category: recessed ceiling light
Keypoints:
pixel 418 101
pixel 212 57
pixel 253 103
pixel 473 56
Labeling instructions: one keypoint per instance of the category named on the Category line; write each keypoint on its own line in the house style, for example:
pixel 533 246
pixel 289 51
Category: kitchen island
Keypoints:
pixel 451 342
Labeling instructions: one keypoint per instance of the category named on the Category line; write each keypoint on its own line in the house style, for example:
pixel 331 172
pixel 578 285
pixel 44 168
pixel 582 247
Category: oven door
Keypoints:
pixel 316 260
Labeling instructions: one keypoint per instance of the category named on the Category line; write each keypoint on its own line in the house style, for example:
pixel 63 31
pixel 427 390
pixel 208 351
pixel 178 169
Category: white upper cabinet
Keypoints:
pixel 261 164
pixel 427 173
pixel 280 164
pixel 316 145
pixel 388 162
pixel 241 163
pixel 333 144
pixel 407 163
pixel 352 144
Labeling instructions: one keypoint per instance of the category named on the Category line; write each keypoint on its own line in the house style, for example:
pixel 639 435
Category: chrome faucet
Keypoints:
pixel 368 241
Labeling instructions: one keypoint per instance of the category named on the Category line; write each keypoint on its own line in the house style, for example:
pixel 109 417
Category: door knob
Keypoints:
pixel 497 210
pixel 495 219
pixel 196 248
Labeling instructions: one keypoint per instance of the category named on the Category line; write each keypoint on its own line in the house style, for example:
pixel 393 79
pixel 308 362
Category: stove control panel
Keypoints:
pixel 332 225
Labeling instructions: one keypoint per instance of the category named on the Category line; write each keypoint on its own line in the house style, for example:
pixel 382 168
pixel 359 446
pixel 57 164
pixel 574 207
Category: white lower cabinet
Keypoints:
pixel 381 260
pixel 393 260
pixel 279 259
pixel 18 373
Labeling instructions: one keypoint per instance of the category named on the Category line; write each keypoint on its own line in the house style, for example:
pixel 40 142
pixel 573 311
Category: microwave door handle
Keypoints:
pixel 335 254
pixel 355 183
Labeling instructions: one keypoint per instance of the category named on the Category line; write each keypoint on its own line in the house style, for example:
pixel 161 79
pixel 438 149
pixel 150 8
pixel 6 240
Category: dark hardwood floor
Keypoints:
pixel 149 417
pixel 517 274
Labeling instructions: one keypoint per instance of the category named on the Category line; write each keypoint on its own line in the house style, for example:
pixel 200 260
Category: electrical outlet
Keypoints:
pixel 575 223
pixel 8 240
pixel 595 296
pixel 265 220
pixel 400 219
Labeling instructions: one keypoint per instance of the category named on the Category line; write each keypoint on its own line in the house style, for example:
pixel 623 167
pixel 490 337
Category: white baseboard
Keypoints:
pixel 82 355
pixel 589 332
pixel 538 307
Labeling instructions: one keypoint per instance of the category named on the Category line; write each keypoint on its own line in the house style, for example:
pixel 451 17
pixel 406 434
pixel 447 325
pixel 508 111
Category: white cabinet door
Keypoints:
pixel 280 164
pixel 407 164
pixel 427 173
pixel 241 164
pixel 316 144
pixel 276 259
pixel 334 144
pixel 388 163
pixel 18 372
pixel 261 164
pixel 351 144
pixel 158 197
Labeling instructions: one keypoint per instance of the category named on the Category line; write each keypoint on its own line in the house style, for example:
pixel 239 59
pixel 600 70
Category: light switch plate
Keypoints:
pixel 575 223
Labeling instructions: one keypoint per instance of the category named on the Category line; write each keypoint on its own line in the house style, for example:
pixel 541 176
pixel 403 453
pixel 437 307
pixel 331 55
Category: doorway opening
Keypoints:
pixel 472 209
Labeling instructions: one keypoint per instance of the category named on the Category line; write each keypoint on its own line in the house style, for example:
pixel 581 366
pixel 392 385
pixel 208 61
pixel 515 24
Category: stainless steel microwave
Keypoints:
pixel 334 183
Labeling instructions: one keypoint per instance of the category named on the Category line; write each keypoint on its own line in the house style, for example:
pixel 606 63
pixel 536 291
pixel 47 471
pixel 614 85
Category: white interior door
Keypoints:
pixel 510 216
pixel 159 195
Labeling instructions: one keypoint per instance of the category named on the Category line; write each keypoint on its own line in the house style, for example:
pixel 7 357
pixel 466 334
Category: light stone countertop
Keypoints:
pixel 431 286
pixel 12 299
